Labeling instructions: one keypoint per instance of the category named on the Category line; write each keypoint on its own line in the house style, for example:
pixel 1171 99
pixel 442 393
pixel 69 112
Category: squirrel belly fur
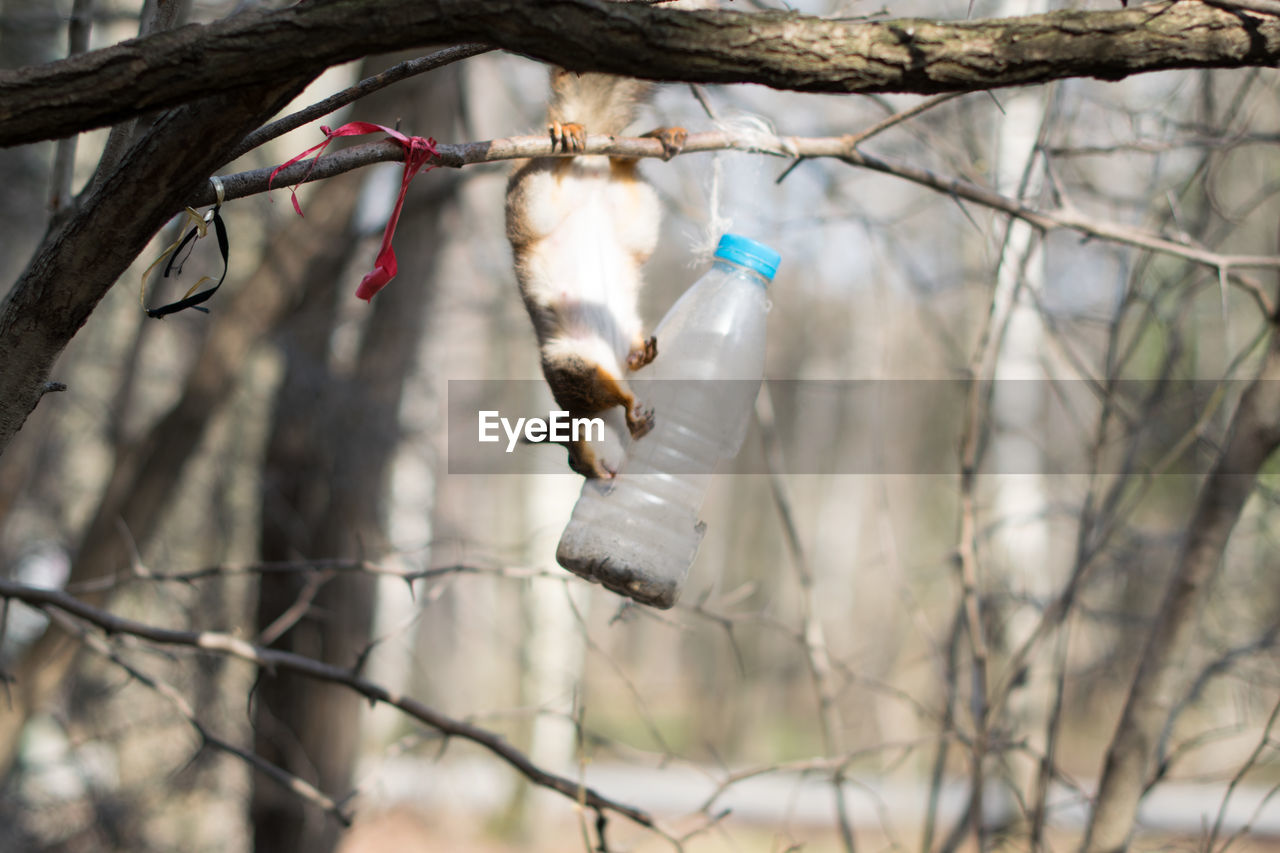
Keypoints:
pixel 580 230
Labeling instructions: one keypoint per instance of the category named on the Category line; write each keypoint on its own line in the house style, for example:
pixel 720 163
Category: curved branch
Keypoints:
pixel 297 785
pixel 782 50
pixel 77 263
pixel 842 148
pixel 368 86
pixel 271 659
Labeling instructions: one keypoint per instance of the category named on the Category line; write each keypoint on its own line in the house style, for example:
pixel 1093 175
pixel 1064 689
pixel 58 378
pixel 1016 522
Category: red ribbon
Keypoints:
pixel 417 151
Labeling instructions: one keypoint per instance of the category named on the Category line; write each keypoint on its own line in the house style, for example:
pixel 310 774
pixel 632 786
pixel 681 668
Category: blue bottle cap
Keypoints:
pixel 749 253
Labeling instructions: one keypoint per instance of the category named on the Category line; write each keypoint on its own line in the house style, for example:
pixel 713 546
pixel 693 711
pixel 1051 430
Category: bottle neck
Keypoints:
pixel 735 267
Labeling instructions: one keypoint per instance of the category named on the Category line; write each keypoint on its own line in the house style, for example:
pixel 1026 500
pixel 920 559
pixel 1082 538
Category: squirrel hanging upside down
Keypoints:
pixel 580 229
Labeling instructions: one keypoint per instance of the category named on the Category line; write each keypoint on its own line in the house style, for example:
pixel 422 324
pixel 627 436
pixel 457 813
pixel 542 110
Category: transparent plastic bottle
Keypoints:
pixel 638 533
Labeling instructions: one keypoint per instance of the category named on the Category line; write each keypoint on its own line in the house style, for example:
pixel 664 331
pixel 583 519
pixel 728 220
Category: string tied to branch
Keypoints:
pixel 199 229
pixel 418 151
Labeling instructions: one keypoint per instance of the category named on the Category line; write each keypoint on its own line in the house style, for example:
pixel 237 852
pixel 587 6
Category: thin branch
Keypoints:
pixel 164 15
pixel 294 612
pixel 833 764
pixel 275 659
pixel 1254 434
pixel 856 139
pixel 64 158
pixel 816 652
pixel 947 726
pixel 1222 664
pixel 284 778
pixel 1263 743
pixel 253 182
pixel 367 86
pixel 1264 7
pixel 336 565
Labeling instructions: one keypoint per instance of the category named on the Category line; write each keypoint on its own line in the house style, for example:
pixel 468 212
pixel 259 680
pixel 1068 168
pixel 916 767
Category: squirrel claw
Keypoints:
pixel 570 136
pixel 643 354
pixel 639 421
pixel 672 139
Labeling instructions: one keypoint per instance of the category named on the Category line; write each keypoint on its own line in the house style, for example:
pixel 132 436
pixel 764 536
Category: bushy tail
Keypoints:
pixel 604 103
pixel 601 103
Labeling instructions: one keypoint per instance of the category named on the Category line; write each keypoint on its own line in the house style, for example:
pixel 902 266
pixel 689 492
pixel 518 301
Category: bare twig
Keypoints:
pixel 274 659
pixel 828 764
pixel 294 612
pixel 1223 663
pixel 335 565
pixel 1254 434
pixel 164 14
pixel 856 139
pixel 817 654
pixel 253 182
pixel 367 86
pixel 1264 742
pixel 64 158
pixel 1264 7
pixel 284 778
pixel 646 717
pixel 947 726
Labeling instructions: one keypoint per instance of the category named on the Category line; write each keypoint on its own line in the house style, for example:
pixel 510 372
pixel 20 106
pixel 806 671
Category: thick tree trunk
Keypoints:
pixel 147 474
pixel 79 262
pixel 328 462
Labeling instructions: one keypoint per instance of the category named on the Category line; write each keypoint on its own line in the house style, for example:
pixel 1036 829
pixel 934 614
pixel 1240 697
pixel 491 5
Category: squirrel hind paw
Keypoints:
pixel 639 421
pixel 643 354
pixel 584 461
pixel 672 139
pixel 569 136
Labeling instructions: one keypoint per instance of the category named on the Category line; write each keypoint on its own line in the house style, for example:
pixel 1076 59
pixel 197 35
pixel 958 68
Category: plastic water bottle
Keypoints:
pixel 638 533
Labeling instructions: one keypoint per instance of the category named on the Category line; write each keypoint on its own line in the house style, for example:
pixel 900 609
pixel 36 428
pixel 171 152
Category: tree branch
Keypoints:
pixel 843 148
pixel 76 265
pixel 272 659
pixel 367 86
pixel 782 50
pixel 1254 435
pixel 279 775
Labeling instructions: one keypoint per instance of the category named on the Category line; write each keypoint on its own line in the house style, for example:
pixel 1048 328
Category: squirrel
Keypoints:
pixel 580 228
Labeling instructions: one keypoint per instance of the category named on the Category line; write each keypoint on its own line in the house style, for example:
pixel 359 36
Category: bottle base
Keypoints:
pixel 615 575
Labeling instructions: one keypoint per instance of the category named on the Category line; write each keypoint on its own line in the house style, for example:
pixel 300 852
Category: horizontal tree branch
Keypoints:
pixel 272 659
pixel 843 148
pixel 782 50
pixel 279 775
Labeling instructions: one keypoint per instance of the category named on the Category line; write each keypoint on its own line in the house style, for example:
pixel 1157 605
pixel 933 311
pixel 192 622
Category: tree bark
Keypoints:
pixel 77 264
pixel 782 50
pixel 329 458
pixel 146 474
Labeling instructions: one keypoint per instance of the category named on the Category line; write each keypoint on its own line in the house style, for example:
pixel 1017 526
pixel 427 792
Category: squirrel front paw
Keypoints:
pixel 639 420
pixel 570 136
pixel 642 354
pixel 672 139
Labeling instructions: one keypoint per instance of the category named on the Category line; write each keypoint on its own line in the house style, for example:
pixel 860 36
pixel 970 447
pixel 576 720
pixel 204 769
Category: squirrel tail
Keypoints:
pixel 604 103
pixel 601 103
